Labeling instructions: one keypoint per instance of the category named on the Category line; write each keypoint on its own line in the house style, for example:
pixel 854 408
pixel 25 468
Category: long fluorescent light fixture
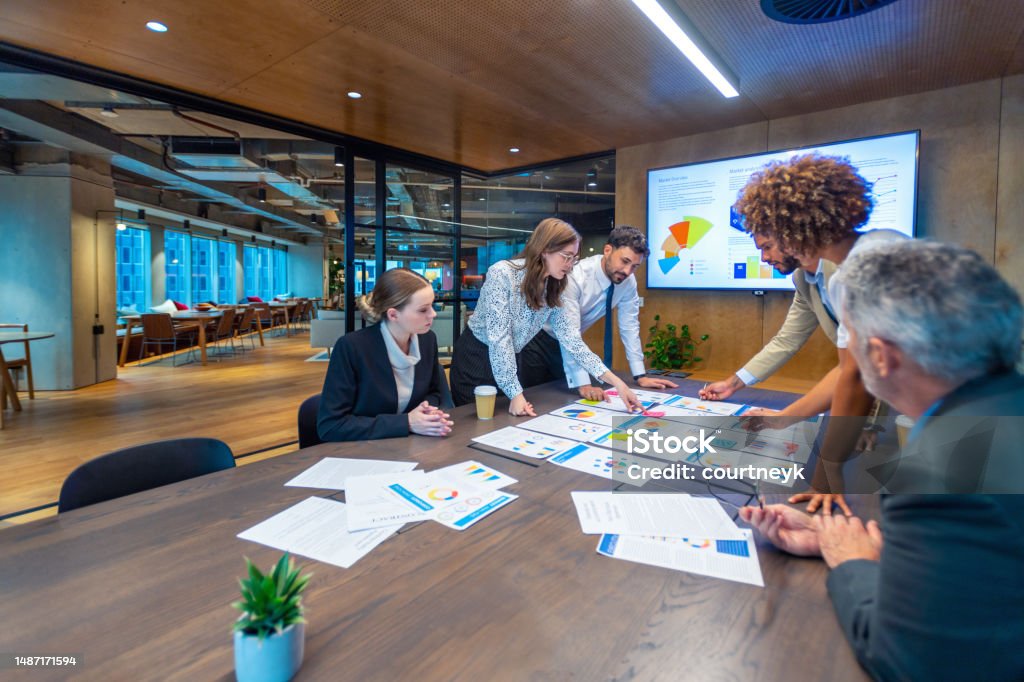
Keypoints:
pixel 674 32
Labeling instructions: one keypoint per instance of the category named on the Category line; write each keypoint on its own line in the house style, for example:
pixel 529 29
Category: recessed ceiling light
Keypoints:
pixel 354 95
pixel 156 26
pixel 446 205
pixel 121 226
pixel 482 199
pixel 514 150
pixel 591 184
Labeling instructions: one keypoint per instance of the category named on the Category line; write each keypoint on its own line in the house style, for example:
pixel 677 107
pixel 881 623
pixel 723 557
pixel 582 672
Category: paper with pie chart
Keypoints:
pixel 588 413
pixel 602 462
pixel 525 442
pixel 451 502
pixel 560 427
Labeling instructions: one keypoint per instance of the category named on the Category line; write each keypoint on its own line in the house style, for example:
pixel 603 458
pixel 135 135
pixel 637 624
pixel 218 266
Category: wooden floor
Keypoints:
pixel 249 401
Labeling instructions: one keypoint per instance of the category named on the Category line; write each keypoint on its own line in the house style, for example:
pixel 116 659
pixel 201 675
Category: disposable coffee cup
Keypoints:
pixel 904 424
pixel 485 396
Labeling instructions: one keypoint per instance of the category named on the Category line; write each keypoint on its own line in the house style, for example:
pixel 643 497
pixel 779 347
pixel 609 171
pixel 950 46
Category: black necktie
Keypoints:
pixel 608 326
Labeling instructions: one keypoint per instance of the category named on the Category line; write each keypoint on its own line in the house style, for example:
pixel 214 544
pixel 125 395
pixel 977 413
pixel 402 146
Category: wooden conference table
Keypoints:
pixel 7 387
pixel 141 586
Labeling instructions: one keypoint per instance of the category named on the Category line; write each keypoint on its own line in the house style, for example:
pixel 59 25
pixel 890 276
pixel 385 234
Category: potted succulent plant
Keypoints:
pixel 270 635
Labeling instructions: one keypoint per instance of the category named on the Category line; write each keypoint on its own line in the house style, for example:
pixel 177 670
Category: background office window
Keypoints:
pixel 176 266
pixel 279 274
pixel 133 269
pixel 203 269
pixel 225 272
pixel 266 271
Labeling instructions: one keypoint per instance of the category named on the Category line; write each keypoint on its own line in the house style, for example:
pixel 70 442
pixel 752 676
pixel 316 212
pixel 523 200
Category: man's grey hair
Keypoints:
pixel 941 304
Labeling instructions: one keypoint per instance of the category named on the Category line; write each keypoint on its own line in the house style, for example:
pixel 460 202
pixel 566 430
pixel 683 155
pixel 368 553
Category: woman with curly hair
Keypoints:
pixel 518 297
pixel 813 207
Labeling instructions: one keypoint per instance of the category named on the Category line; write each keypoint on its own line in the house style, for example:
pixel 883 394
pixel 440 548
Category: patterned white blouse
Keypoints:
pixel 505 324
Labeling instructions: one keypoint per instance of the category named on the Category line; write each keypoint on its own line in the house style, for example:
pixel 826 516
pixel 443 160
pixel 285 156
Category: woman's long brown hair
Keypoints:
pixel 550 235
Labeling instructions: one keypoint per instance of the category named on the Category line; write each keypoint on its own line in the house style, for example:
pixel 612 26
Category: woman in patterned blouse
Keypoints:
pixel 518 297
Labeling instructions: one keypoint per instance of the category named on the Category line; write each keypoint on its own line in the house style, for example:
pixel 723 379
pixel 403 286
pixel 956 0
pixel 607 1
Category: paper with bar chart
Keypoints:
pixel 697 239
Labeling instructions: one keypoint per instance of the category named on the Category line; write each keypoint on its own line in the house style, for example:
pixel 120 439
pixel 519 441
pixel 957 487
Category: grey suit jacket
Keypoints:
pixel 945 602
pixel 806 313
pixel 972 444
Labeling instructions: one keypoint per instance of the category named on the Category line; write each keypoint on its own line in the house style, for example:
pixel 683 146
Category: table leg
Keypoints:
pixel 128 324
pixel 9 386
pixel 287 323
pixel 202 340
pixel 259 328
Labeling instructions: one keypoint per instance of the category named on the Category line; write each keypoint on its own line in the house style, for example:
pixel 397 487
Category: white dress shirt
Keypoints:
pixel 584 304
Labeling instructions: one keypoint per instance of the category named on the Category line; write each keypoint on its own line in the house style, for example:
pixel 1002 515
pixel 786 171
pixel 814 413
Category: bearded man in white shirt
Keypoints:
pixel 597 285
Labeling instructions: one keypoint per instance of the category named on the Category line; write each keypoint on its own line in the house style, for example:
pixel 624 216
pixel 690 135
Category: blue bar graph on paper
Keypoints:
pixel 569 454
pixel 734 547
pixel 413 499
pixel 487 508
pixel 608 544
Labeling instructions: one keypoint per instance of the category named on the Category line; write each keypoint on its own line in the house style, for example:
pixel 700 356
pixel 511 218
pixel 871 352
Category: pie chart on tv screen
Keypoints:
pixel 685 234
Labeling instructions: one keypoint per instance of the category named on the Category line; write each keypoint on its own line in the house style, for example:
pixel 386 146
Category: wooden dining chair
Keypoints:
pixel 223 333
pixel 22 363
pixel 245 325
pixel 158 330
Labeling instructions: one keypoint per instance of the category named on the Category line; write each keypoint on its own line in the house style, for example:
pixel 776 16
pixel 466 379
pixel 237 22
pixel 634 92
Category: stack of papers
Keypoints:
pixel 381 496
pixel 456 496
pixel 677 531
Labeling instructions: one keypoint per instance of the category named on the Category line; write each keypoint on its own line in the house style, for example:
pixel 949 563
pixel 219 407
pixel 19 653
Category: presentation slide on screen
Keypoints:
pixel 697 241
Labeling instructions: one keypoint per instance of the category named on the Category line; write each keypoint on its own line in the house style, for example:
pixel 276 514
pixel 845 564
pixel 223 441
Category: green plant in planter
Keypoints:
pixel 671 347
pixel 271 602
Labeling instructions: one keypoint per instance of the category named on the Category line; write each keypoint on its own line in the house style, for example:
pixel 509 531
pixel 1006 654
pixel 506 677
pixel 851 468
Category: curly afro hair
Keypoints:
pixel 805 203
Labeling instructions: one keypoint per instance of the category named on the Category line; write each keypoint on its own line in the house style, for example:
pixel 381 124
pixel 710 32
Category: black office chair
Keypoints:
pixel 446 392
pixel 308 410
pixel 142 467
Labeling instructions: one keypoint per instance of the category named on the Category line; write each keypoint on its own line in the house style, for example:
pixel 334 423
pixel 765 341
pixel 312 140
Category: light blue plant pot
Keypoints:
pixel 276 659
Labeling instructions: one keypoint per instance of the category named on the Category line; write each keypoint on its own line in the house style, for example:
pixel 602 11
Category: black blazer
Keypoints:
pixel 360 395
pixel 945 602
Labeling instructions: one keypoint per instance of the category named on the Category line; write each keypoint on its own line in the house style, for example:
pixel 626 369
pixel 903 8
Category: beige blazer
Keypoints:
pixel 806 313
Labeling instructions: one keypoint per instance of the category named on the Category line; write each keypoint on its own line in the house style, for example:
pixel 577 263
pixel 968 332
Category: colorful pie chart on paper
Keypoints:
pixel 443 494
pixel 579 414
pixel 685 234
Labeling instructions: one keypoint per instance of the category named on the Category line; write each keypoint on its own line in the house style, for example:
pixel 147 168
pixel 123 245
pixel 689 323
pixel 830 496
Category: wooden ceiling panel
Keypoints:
pixel 407 103
pixel 905 47
pixel 464 81
pixel 210 45
pixel 594 65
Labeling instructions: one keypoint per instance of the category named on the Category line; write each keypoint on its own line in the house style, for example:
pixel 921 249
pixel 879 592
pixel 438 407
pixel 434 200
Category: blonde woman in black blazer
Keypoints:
pixel 384 381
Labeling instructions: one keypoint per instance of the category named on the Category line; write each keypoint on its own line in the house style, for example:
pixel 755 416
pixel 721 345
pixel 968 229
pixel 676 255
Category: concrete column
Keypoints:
pixel 57 267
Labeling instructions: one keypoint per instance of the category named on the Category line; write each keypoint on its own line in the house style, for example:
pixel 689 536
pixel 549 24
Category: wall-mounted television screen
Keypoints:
pixel 696 239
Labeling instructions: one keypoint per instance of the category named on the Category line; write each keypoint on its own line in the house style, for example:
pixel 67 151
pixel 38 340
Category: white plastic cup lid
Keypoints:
pixel 485 390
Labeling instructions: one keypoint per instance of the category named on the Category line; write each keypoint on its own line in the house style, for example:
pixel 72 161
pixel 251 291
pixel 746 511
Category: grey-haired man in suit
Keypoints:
pixel 933 590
